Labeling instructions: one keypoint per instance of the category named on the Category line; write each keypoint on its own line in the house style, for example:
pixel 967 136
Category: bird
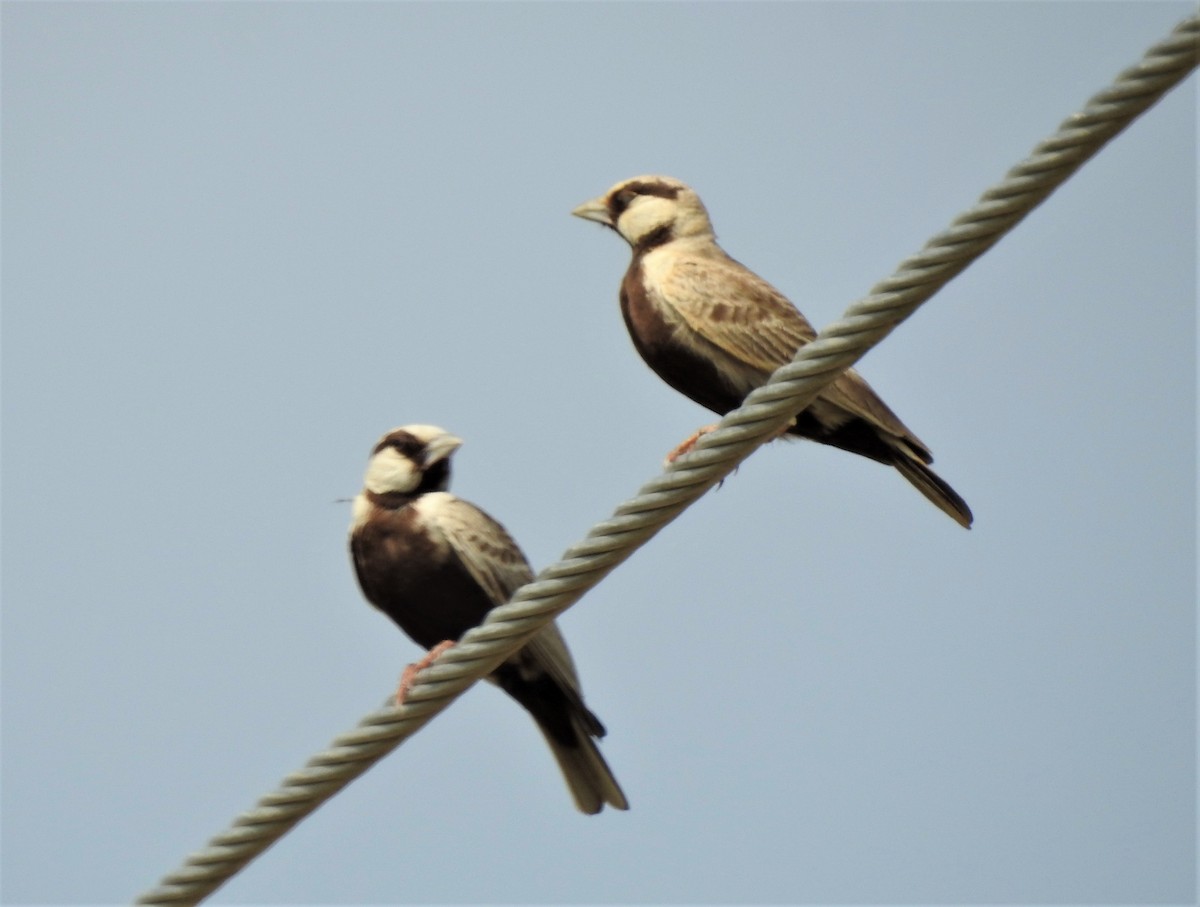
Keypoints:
pixel 714 331
pixel 436 564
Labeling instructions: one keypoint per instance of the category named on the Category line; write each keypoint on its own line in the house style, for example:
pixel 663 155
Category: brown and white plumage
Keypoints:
pixel 714 330
pixel 436 564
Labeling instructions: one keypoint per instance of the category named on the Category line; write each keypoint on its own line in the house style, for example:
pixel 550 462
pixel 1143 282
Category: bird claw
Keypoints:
pixel 411 672
pixel 688 444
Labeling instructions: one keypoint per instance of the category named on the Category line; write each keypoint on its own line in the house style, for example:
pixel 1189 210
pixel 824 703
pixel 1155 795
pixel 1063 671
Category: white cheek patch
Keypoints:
pixel 644 215
pixel 390 471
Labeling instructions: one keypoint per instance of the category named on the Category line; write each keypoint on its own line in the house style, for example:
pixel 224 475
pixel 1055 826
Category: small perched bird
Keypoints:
pixel 436 564
pixel 714 330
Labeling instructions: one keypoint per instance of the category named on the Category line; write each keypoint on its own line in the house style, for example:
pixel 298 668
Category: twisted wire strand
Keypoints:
pixel 764 412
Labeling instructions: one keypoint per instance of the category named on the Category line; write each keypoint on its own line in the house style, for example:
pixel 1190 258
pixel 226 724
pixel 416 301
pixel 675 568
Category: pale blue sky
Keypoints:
pixel 240 241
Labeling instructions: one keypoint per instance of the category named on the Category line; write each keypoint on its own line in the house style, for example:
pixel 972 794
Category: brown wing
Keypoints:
pixel 737 311
pixel 488 552
pixel 496 563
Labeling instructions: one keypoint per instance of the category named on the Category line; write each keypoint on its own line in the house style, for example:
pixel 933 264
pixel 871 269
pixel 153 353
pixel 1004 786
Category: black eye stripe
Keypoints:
pixel 403 443
pixel 408 447
pixel 620 200
pixel 660 189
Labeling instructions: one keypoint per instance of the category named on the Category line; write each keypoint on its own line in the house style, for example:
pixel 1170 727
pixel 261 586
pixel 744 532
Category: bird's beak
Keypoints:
pixel 596 209
pixel 440 448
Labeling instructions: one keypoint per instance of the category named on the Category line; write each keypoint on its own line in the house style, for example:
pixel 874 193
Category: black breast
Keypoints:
pixel 423 588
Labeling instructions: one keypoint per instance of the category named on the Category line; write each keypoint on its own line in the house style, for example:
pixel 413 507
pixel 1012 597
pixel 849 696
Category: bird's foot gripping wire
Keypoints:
pixel 688 443
pixel 411 672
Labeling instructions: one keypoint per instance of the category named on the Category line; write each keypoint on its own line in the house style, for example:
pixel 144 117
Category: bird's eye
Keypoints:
pixel 408 447
pixel 621 201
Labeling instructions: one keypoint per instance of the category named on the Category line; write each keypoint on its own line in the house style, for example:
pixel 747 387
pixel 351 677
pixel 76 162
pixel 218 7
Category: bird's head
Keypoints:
pixel 649 210
pixel 411 460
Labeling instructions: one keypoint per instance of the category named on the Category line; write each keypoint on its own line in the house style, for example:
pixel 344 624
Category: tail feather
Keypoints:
pixel 568 726
pixel 588 776
pixel 935 488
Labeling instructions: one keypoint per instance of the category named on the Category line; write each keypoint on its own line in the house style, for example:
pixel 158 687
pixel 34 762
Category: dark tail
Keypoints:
pixel 569 728
pixel 930 484
pixel 588 776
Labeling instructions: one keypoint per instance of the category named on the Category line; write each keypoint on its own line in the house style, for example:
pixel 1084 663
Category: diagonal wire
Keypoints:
pixel 765 411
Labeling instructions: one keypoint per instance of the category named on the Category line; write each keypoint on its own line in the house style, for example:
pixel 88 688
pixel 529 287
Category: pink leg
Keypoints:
pixel 688 444
pixel 410 673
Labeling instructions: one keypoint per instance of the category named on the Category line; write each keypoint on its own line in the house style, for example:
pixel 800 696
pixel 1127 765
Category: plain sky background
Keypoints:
pixel 241 241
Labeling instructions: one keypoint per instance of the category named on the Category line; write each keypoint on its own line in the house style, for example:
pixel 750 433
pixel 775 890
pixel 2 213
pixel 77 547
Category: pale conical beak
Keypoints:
pixel 596 209
pixel 440 448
